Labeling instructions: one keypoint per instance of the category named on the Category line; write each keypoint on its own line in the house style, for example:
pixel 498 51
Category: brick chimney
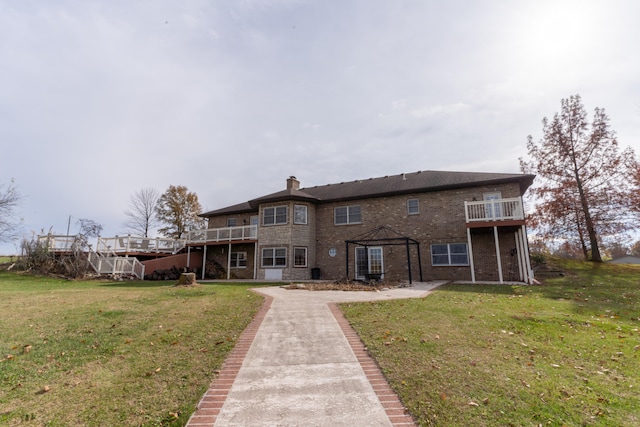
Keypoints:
pixel 293 183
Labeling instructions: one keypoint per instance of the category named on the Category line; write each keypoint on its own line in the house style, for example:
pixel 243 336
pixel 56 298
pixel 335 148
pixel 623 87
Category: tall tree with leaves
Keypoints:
pixel 583 188
pixel 9 200
pixel 141 215
pixel 178 209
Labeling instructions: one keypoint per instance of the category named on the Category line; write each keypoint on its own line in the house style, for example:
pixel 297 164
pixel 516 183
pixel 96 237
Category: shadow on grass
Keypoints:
pixel 139 284
pixel 480 288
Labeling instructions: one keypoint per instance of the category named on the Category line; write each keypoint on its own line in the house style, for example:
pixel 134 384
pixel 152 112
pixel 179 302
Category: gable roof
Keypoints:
pixel 421 181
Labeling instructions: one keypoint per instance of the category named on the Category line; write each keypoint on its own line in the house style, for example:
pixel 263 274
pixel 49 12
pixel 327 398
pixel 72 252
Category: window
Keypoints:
pixel 369 262
pixel 238 259
pixel 274 215
pixel 274 257
pixel 231 222
pixel 299 257
pixel 347 215
pixel 254 220
pixel 449 254
pixel 299 214
pixel 413 207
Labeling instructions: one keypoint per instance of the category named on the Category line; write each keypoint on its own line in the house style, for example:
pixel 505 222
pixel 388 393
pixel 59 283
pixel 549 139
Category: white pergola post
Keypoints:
pixel 495 236
pixel 473 270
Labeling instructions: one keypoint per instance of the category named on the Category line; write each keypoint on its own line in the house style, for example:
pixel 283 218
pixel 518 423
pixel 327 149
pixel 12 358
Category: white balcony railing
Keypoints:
pixel 57 243
pixel 225 234
pixel 494 210
pixel 130 244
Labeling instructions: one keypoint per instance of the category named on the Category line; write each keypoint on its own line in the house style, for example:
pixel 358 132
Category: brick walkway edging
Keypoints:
pixel 392 405
pixel 212 401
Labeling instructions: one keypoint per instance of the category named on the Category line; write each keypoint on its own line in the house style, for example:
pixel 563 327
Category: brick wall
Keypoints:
pixel 441 219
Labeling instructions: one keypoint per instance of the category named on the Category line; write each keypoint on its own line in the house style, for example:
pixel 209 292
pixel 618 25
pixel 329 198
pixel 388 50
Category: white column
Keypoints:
pixel 526 254
pixel 229 262
pixel 255 260
pixel 495 236
pixel 204 261
pixel 188 256
pixel 519 255
pixel 473 270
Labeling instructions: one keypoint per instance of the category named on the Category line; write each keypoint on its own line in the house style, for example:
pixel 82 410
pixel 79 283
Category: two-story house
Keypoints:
pixel 416 226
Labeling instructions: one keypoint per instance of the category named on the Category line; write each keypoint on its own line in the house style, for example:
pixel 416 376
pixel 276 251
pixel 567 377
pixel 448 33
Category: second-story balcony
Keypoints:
pixel 494 210
pixel 224 234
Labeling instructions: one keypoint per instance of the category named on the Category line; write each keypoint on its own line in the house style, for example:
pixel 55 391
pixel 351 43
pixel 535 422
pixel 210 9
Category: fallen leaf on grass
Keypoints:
pixel 472 404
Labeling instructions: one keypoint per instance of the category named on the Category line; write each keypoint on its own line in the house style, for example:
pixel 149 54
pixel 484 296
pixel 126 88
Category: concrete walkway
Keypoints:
pixel 300 364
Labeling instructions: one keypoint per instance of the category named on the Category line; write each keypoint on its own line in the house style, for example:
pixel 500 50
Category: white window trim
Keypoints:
pixel 417 207
pixel 305 256
pixel 349 222
pixel 275 216
pixel 274 265
pixel 306 213
pixel 449 264
pixel 244 258
pixel 234 220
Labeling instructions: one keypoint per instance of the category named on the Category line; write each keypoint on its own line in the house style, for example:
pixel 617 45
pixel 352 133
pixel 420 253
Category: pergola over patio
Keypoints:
pixel 385 236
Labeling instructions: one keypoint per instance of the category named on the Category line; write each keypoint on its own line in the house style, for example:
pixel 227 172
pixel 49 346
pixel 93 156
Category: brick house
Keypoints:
pixel 425 225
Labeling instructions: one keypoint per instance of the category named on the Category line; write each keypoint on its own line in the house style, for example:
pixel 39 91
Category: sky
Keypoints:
pixel 102 98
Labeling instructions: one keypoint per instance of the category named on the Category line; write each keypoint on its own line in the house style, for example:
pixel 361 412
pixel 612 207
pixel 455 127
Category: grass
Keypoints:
pixel 566 353
pixel 112 353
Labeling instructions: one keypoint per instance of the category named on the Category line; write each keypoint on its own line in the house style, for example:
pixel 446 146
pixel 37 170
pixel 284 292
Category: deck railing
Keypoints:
pixel 58 243
pixel 114 265
pixel 494 210
pixel 225 234
pixel 130 244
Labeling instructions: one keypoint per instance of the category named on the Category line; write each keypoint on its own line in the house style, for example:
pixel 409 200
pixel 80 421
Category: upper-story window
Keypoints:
pixel 347 215
pixel 274 215
pixel 254 220
pixel 231 222
pixel 299 214
pixel 413 207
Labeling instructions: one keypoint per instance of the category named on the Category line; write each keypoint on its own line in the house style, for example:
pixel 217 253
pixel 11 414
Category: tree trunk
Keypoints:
pixel 186 279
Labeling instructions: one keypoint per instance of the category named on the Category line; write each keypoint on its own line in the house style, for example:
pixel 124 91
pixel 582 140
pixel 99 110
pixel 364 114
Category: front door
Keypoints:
pixel 369 262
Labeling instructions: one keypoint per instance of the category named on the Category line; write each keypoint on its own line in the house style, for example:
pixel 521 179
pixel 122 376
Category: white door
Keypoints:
pixel 493 210
pixel 369 261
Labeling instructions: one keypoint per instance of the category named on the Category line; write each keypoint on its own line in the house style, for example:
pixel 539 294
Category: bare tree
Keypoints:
pixel 141 215
pixel 178 209
pixel 9 200
pixel 583 188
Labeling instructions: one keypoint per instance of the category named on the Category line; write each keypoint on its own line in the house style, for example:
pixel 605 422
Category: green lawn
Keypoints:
pixel 566 353
pixel 112 353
